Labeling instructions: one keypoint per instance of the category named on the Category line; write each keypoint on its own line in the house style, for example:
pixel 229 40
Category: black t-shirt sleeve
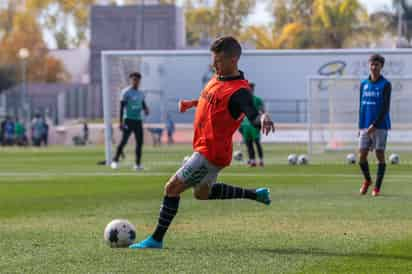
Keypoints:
pixel 122 106
pixel 386 104
pixel 144 105
pixel 242 102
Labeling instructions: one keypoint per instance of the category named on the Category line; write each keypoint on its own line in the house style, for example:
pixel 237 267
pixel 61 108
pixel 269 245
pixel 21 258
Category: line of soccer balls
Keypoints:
pixel 394 159
pixel 303 159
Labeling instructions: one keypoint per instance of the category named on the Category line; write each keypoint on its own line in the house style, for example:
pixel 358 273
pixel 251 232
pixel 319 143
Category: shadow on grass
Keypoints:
pixel 321 252
pixel 299 251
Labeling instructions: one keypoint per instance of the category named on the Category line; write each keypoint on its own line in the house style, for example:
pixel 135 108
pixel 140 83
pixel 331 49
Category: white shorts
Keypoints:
pixel 198 171
pixel 376 141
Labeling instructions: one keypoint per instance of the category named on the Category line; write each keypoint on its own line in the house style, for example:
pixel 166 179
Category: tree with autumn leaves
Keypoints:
pixel 20 29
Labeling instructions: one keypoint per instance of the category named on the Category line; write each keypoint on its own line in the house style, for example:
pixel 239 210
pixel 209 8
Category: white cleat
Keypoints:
pixel 138 167
pixel 114 165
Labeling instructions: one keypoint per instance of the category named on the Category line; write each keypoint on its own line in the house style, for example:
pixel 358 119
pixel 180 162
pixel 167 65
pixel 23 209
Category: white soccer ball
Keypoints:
pixel 119 233
pixel 394 159
pixel 238 155
pixel 292 159
pixel 185 159
pixel 303 159
pixel 114 165
pixel 351 159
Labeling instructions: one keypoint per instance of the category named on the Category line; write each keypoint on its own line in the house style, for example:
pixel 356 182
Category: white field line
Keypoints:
pixel 161 174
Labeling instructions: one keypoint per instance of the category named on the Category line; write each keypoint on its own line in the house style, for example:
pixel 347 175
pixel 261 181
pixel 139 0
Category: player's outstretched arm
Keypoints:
pixel 145 108
pixel 242 102
pixel 184 105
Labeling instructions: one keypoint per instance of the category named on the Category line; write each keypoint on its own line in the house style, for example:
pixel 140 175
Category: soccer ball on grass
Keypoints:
pixel 394 159
pixel 238 155
pixel 351 159
pixel 303 159
pixel 292 159
pixel 119 233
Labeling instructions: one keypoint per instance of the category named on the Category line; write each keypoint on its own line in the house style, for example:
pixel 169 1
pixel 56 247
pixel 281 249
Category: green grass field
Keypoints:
pixel 55 203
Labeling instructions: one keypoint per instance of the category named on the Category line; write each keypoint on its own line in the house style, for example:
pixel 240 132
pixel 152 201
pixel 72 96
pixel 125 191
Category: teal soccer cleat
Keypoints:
pixel 263 196
pixel 149 242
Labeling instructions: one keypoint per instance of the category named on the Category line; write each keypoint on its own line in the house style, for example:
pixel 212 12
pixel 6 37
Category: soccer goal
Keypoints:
pixel 333 108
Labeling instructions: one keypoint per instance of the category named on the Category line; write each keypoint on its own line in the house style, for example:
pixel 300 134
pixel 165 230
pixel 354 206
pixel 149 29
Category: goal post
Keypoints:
pixel 333 110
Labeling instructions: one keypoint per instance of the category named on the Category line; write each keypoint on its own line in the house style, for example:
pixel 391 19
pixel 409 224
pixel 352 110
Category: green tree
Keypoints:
pixel 338 22
pixel 314 24
pixel 224 17
pixel 230 15
pixel 56 16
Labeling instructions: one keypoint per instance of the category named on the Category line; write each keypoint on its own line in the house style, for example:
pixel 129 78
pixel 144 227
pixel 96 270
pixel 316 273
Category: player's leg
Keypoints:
pixel 168 211
pixel 221 191
pixel 208 189
pixel 365 143
pixel 248 140
pixel 380 146
pixel 259 150
pixel 250 152
pixel 191 173
pixel 125 137
pixel 138 134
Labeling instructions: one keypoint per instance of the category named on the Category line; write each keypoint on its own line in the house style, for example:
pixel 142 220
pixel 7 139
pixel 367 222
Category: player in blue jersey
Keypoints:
pixel 374 122
pixel 131 106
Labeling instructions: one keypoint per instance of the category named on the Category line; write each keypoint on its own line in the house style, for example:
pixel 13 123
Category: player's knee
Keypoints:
pixel 380 155
pixel 174 187
pixel 170 189
pixel 363 156
pixel 200 196
pixel 201 193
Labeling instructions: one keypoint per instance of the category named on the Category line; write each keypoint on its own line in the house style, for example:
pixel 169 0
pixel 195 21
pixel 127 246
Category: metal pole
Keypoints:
pixel 107 110
pixel 309 117
pixel 399 43
pixel 25 94
pixel 142 29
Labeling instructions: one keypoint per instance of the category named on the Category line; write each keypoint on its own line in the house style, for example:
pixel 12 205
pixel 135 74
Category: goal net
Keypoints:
pixel 333 109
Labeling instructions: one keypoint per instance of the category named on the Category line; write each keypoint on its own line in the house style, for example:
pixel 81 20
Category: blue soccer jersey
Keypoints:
pixel 374 103
pixel 134 103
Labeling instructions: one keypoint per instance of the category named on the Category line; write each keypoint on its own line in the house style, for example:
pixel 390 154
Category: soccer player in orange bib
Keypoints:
pixel 221 107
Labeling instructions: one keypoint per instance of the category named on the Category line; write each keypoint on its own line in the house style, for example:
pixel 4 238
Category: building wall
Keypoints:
pixel 133 27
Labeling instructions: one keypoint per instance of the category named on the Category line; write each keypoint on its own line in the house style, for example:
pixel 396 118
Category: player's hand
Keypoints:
pixel 146 111
pixel 266 124
pixel 371 130
pixel 184 105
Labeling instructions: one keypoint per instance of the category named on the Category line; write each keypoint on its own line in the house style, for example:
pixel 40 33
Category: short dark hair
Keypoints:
pixel 135 75
pixel 228 45
pixel 377 58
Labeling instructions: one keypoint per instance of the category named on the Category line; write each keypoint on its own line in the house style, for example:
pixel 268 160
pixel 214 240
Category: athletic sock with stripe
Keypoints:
pixel 221 191
pixel 168 211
